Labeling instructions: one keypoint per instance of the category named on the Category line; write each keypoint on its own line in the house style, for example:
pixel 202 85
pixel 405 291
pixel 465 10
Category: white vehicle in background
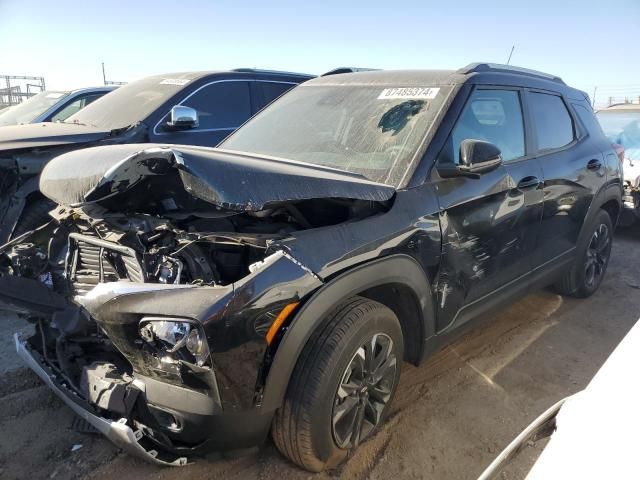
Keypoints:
pixel 621 124
pixel 594 433
pixel 51 106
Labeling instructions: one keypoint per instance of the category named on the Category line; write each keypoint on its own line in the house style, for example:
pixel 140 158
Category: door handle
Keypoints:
pixel 528 182
pixel 594 164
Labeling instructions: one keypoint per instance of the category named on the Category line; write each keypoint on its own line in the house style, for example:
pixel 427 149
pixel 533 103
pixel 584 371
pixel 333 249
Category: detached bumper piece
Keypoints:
pixel 541 427
pixel 134 442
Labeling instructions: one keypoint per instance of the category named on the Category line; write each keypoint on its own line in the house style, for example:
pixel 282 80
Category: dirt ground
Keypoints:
pixel 450 418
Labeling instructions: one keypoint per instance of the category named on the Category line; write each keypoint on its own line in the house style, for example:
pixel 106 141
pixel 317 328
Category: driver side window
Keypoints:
pixel 225 105
pixel 494 116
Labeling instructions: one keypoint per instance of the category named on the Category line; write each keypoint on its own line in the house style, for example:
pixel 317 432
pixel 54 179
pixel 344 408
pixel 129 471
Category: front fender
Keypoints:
pixel 394 269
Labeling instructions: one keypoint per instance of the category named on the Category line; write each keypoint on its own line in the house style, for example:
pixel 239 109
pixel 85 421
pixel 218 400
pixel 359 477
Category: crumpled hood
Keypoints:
pixel 47 134
pixel 228 180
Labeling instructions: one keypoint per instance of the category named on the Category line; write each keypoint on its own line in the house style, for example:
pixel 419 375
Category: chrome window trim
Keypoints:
pixel 220 129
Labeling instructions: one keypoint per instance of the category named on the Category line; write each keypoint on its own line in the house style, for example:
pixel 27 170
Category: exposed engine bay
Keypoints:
pixel 92 245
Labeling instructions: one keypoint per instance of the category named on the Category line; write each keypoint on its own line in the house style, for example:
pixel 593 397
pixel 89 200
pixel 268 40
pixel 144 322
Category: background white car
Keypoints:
pixel 621 124
pixel 593 432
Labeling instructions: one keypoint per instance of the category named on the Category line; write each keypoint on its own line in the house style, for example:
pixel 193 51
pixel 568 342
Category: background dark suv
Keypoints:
pixel 193 108
pixel 192 298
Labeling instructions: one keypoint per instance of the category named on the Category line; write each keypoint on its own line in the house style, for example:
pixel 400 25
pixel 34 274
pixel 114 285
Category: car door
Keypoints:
pixel 222 107
pixel 489 224
pixel 572 169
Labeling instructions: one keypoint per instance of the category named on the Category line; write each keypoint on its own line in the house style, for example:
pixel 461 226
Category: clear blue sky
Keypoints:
pixel 587 43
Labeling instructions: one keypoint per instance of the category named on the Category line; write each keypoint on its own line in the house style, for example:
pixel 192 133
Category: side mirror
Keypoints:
pixel 182 118
pixel 476 157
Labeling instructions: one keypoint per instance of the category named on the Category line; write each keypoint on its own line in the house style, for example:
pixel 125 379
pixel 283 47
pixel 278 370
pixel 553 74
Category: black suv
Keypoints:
pixel 193 108
pixel 189 298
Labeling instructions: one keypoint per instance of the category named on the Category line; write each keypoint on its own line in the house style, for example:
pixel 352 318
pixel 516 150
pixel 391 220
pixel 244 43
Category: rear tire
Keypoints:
pixel 342 385
pixel 590 265
pixel 34 215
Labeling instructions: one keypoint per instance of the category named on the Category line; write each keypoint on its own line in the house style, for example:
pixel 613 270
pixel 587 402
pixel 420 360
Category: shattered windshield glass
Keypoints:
pixel 370 130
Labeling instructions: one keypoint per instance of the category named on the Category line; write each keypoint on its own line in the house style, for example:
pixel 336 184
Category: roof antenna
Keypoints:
pixel 510 53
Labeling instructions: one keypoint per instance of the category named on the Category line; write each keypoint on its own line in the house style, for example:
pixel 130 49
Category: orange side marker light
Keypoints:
pixel 277 323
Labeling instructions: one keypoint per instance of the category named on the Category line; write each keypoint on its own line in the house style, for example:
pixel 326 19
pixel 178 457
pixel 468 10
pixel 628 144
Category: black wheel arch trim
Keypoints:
pixel 398 269
pixel 603 196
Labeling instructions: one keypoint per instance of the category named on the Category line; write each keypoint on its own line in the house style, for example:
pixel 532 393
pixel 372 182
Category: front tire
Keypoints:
pixel 342 385
pixel 592 260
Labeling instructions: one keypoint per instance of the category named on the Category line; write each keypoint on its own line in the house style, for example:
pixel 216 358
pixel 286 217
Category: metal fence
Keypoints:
pixel 606 95
pixel 16 88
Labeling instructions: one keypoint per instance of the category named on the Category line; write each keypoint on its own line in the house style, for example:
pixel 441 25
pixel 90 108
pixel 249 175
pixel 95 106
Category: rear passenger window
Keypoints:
pixel 221 105
pixel 494 116
pixel 553 124
pixel 266 92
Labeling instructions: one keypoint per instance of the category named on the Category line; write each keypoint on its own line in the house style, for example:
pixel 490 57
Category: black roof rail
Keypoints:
pixel 499 68
pixel 276 72
pixel 338 70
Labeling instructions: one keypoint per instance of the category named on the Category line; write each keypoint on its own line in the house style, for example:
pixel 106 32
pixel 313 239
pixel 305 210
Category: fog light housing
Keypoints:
pixel 178 338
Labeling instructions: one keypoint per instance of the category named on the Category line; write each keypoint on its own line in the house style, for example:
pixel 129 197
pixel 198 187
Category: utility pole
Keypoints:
pixel 593 99
pixel 104 77
pixel 510 53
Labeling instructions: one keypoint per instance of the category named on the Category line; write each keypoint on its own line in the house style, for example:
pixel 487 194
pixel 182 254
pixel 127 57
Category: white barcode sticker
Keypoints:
pixel 174 81
pixel 422 93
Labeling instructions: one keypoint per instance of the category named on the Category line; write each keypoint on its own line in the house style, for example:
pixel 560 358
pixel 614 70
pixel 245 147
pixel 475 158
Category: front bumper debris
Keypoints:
pixel 132 441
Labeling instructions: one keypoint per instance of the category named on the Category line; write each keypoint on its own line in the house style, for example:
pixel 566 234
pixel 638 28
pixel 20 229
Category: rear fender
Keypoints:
pixel 606 194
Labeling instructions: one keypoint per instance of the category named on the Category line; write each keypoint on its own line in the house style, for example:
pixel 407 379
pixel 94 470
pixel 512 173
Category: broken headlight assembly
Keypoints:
pixel 175 339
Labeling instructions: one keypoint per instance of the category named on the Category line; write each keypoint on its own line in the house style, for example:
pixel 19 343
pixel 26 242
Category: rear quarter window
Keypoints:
pixel 588 119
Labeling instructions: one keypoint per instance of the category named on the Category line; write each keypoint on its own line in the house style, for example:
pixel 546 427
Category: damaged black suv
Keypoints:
pixel 188 299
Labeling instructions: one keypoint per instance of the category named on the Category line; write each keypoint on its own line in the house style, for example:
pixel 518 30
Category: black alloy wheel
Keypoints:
pixel 364 391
